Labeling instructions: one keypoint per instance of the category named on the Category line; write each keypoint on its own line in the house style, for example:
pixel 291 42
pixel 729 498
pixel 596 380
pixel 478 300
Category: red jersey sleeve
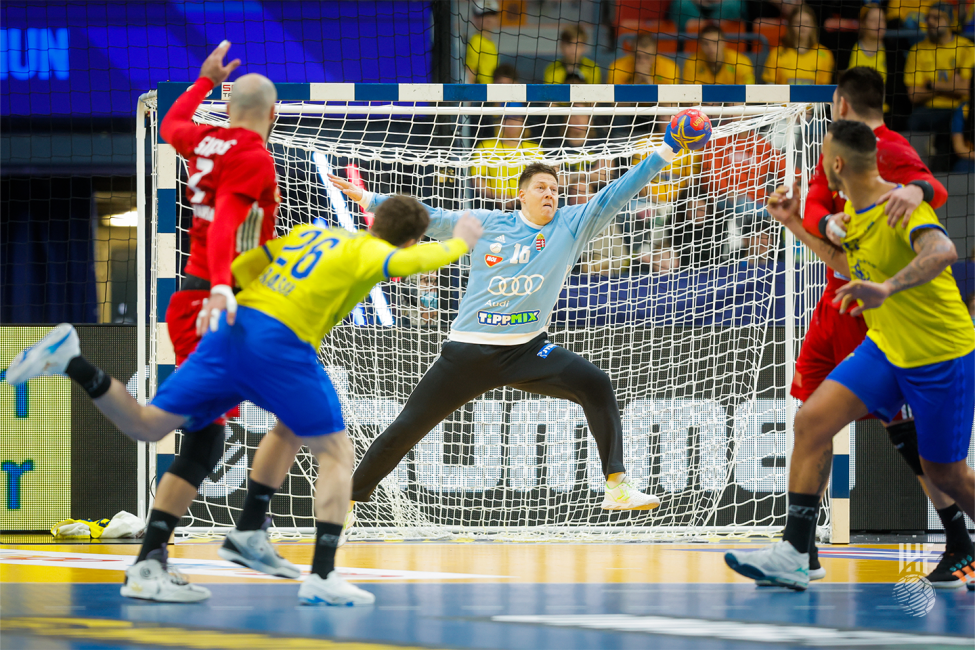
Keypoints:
pixel 244 180
pixel 177 127
pixel 899 163
pixel 819 200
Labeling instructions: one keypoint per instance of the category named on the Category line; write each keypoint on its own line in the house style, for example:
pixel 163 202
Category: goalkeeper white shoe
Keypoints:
pixel 49 356
pixel 152 579
pixel 252 549
pixel 333 590
pixel 625 496
pixel 779 564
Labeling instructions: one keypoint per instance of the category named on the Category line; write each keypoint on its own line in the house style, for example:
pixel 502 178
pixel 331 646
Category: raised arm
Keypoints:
pixel 819 203
pixel 442 221
pixel 177 127
pixel 596 214
pixel 785 210
pixel 421 258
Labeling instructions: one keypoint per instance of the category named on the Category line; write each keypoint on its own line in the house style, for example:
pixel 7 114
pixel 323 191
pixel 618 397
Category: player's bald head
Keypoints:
pixel 253 95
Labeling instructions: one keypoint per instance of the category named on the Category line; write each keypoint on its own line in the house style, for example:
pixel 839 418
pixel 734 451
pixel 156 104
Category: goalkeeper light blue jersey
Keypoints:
pixel 518 268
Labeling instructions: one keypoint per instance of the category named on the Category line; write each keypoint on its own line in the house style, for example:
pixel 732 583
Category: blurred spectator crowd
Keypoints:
pixel 923 50
pixel 702 210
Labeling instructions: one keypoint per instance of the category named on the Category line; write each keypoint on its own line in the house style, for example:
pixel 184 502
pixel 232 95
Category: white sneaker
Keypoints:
pixel 151 579
pixel 49 356
pixel 333 590
pixel 779 564
pixel 970 583
pixel 252 549
pixel 814 574
pixel 626 497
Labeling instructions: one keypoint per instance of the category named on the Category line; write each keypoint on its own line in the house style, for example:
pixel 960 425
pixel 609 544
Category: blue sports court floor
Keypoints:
pixel 485 595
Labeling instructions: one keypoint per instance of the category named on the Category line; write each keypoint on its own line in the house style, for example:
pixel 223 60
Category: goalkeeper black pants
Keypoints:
pixel 466 370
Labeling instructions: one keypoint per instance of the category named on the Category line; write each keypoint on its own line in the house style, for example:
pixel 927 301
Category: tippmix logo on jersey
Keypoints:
pixel 500 320
pixel 539 241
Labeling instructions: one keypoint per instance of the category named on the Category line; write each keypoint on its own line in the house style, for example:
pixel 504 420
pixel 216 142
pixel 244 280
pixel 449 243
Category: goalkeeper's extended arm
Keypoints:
pixel 608 202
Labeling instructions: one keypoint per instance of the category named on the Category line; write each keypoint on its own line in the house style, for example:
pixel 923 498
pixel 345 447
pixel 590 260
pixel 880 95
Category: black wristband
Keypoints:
pixel 822 226
pixel 926 188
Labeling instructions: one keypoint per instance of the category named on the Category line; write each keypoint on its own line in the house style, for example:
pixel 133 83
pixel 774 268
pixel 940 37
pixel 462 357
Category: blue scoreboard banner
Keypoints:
pixel 96 58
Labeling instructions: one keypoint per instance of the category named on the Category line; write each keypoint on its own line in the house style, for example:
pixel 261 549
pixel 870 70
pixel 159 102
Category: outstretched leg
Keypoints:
pixel 831 407
pixel 462 372
pixel 548 369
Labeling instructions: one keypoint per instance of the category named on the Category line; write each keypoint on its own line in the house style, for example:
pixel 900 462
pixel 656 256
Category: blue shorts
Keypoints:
pixel 941 395
pixel 258 359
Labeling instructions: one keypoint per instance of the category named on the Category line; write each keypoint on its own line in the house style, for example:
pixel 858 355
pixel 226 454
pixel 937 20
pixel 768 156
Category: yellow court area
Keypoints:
pixel 488 561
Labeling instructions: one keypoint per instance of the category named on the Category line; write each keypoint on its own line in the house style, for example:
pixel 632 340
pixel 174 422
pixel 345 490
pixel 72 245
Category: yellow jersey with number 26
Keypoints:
pixel 914 327
pixel 313 277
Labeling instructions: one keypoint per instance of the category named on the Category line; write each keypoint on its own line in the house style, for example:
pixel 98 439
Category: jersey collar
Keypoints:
pixel 873 205
pixel 533 226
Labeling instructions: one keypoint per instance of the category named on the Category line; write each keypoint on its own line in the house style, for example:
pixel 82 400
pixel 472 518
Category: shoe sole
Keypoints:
pixel 649 506
pixel 758 575
pixel 135 596
pixel 947 584
pixel 317 601
pixel 237 558
pixel 25 371
pixel 812 578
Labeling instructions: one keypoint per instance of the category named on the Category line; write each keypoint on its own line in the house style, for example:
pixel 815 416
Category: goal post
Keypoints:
pixel 692 302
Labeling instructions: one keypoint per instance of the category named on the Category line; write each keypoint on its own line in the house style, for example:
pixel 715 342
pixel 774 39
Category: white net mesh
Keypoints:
pixel 691 301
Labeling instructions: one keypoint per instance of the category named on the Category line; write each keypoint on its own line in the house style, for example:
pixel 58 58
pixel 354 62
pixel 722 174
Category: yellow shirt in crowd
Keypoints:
pixel 482 58
pixel 903 9
pixel 914 327
pixel 665 70
pixel 501 165
pixel 555 72
pixel 927 62
pixel 876 61
pixel 736 69
pixel 787 67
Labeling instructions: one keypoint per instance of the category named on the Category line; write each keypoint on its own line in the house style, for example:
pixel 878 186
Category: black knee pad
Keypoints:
pixel 199 454
pixel 903 436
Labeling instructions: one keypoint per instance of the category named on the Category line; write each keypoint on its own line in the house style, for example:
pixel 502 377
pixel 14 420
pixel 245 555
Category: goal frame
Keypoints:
pixel 158 209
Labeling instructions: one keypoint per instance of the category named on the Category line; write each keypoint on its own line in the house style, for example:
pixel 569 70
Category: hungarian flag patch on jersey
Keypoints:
pixel 539 241
pixel 491 260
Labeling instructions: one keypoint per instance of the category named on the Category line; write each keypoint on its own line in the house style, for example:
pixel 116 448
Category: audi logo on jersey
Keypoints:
pixel 520 285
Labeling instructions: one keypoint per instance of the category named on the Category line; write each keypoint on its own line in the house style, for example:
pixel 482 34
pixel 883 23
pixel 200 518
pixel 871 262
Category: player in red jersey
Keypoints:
pixel 832 336
pixel 233 191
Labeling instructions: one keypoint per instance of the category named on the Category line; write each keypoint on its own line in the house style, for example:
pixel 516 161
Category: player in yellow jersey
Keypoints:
pixel 920 348
pixel 296 289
